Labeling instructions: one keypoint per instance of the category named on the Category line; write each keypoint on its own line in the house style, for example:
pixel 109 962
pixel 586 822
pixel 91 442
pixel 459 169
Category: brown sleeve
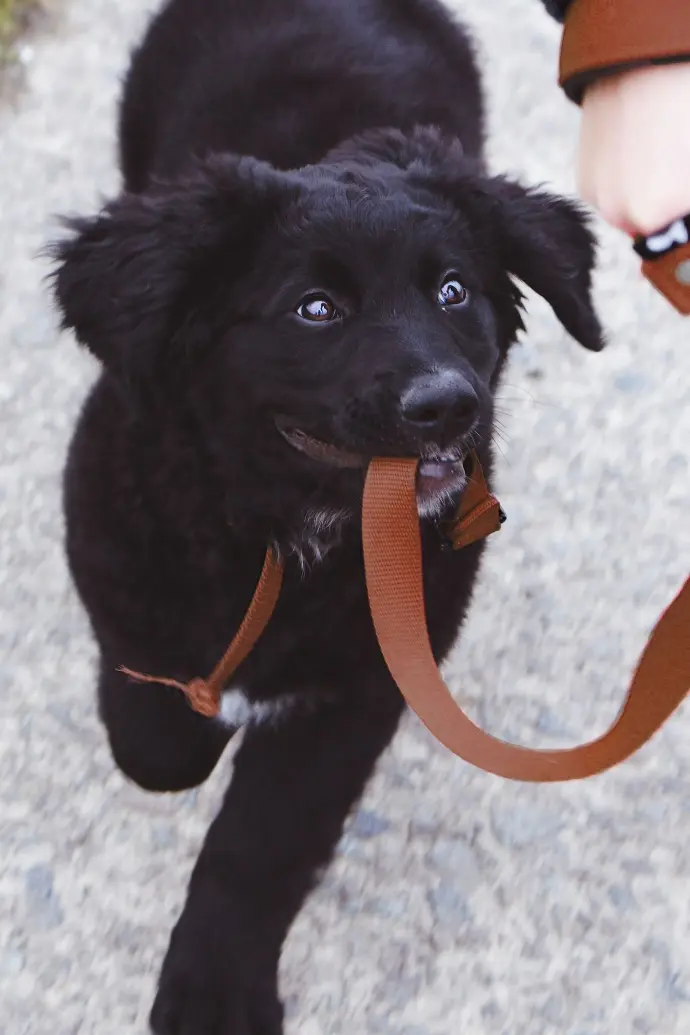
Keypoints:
pixel 605 36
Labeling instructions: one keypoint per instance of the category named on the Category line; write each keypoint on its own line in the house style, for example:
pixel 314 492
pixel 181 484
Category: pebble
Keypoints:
pixel 621 897
pixel 41 899
pixel 629 381
pixel 519 825
pixel 12 962
pixel 449 904
pixel 456 857
pixel 368 824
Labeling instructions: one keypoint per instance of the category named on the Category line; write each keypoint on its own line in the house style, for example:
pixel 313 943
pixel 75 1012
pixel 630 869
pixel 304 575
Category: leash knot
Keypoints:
pixel 203 698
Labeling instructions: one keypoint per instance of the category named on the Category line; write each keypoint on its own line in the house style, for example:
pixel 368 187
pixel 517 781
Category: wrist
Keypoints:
pixel 634 165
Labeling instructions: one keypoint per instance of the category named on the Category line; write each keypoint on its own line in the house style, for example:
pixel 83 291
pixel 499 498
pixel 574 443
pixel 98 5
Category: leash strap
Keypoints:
pixel 479 514
pixel 204 694
pixel 393 564
pixel 393 568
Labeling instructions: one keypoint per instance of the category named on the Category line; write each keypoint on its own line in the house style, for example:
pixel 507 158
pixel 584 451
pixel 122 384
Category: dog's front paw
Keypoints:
pixel 208 985
pixel 201 998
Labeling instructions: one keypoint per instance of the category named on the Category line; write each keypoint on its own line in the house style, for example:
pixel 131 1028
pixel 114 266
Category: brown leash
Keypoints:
pixel 204 695
pixel 393 568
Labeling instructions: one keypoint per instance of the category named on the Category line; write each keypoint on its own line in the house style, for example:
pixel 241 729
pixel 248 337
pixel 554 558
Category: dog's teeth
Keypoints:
pixel 436 468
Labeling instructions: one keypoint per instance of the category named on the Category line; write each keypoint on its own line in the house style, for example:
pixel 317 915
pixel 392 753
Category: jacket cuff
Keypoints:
pixel 606 36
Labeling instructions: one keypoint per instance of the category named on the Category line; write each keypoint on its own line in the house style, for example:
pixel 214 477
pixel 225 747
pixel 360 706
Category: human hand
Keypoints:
pixel 634 162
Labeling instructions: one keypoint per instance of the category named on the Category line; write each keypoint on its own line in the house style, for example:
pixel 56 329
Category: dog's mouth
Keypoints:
pixel 440 474
pixel 323 451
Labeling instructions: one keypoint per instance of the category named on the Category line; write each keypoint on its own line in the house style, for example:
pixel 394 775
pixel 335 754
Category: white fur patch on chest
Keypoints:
pixel 237 710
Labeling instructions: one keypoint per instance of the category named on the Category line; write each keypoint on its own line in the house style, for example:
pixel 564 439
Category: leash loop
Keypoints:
pixel 396 599
pixel 393 570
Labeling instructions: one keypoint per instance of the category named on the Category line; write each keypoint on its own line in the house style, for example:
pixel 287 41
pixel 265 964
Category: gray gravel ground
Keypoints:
pixel 458 902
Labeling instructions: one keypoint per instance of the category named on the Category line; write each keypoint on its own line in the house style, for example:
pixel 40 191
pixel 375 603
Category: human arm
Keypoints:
pixel 627 64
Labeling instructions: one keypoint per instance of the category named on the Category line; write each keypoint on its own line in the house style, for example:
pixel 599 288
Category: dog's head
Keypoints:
pixel 305 321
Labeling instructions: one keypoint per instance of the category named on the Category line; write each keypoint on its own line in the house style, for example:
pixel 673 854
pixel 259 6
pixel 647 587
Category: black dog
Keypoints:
pixel 266 324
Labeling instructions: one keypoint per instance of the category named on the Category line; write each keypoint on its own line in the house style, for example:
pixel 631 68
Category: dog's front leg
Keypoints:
pixel 293 786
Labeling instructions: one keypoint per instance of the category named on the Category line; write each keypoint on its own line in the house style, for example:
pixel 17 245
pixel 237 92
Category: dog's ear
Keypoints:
pixel 542 239
pixel 545 241
pixel 127 279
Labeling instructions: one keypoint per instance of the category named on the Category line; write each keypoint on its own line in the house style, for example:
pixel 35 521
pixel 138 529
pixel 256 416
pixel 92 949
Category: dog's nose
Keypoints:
pixel 439 403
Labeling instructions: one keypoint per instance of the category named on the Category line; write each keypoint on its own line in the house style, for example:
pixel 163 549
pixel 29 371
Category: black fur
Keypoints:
pixel 185 287
pixel 557 8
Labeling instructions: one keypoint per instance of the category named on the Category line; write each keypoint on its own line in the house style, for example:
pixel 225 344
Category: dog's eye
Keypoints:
pixel 452 293
pixel 317 309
